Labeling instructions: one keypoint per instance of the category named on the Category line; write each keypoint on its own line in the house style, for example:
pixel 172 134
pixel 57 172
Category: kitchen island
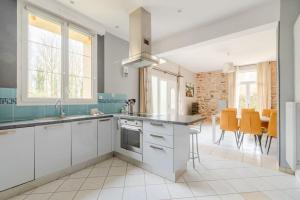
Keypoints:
pixel 157 143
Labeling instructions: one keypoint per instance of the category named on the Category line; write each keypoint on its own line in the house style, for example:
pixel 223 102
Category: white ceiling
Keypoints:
pixel 243 50
pixel 165 18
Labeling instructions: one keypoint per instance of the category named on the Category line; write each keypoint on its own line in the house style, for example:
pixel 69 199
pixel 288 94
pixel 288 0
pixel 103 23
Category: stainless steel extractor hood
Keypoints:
pixel 140 40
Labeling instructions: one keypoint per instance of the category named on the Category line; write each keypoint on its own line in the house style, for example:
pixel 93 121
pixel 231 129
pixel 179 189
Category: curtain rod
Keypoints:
pixel 254 64
pixel 167 72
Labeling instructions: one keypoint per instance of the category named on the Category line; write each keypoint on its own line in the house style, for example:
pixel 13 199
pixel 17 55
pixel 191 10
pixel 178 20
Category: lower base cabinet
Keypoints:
pixel 84 141
pixel 52 148
pixel 16 157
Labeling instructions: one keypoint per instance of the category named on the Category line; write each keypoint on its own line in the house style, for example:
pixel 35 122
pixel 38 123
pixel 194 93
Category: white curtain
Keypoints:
pixel 231 89
pixel 264 85
pixel 145 90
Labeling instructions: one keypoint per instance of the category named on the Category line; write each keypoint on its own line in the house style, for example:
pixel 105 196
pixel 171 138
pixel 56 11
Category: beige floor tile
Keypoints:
pixel 38 196
pixel 134 180
pixel 93 183
pixel 111 194
pixel 156 192
pixel 179 190
pixel 87 195
pixel 99 171
pixel 63 195
pixel 117 171
pixel 133 193
pixel 48 188
pixel 71 185
pixel 82 173
pixel 201 189
pixel 21 197
pixel 255 196
pixel 114 181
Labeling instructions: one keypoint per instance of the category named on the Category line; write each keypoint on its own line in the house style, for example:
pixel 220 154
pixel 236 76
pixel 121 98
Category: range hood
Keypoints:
pixel 140 40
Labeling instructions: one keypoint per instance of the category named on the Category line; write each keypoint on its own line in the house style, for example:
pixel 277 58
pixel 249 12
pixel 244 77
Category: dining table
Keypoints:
pixel 214 118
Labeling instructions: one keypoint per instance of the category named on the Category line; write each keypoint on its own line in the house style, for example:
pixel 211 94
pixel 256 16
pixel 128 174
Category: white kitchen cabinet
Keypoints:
pixel 104 136
pixel 16 157
pixel 84 141
pixel 52 148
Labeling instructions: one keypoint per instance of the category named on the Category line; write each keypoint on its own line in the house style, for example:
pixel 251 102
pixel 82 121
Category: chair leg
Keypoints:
pixel 219 142
pixel 198 155
pixel 236 139
pixel 242 139
pixel 193 153
pixel 255 138
pixel 267 141
pixel 259 137
pixel 269 144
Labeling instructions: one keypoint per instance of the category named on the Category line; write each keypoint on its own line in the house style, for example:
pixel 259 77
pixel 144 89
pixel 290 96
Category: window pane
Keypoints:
pixel 44 58
pixel 243 96
pixel 80 65
pixel 253 96
pixel 163 97
pixel 154 95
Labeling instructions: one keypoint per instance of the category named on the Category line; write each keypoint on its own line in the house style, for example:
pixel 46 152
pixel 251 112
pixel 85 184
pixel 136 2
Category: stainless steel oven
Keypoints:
pixel 132 135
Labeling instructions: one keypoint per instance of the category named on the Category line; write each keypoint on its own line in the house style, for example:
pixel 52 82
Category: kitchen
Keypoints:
pixel 86 114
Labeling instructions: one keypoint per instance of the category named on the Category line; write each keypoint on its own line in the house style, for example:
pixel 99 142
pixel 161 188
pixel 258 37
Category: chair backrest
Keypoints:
pixel 272 128
pixel 247 110
pixel 231 109
pixel 228 120
pixel 266 112
pixel 250 122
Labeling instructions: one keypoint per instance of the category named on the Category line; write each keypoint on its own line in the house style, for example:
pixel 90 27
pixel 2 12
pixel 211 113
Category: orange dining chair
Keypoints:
pixel 266 112
pixel 272 129
pixel 250 124
pixel 229 122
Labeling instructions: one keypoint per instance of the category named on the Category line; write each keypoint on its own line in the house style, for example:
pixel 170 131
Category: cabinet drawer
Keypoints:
pixel 158 157
pixel 158 127
pixel 159 139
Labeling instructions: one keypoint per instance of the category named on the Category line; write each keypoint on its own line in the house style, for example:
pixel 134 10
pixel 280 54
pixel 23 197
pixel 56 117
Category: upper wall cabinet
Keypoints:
pixel 84 141
pixel 104 136
pixel 16 157
pixel 52 148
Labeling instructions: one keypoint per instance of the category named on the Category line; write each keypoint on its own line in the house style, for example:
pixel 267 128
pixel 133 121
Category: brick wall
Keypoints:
pixel 211 87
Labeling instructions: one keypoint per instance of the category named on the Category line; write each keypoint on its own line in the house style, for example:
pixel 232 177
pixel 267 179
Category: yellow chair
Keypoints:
pixel 250 124
pixel 231 109
pixel 229 122
pixel 266 112
pixel 272 129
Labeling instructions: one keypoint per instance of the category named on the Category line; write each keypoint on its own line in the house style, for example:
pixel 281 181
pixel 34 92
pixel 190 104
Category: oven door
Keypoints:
pixel 131 138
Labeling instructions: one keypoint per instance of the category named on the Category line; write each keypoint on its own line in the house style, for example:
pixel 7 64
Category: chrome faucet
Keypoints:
pixel 59 104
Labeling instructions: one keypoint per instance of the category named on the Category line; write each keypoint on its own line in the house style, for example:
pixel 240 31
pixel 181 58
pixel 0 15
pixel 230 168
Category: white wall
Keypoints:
pixel 289 11
pixel 116 49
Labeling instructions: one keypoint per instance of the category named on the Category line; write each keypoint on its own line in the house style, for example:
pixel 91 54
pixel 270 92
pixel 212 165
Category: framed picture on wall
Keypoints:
pixel 189 90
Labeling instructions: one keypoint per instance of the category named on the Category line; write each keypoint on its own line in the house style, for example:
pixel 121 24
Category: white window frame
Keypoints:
pixel 22 68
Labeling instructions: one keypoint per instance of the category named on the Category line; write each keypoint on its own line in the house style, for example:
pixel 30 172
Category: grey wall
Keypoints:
pixel 116 49
pixel 289 11
pixel 8 43
pixel 100 62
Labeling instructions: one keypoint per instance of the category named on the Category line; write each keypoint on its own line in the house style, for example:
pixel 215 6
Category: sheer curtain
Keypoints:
pixel 145 90
pixel 264 85
pixel 232 89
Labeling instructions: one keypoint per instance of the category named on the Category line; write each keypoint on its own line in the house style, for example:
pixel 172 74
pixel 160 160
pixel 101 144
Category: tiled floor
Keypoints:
pixel 215 178
pixel 248 153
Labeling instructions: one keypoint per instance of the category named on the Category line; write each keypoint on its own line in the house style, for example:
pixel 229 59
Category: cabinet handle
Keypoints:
pixel 157 136
pixel 84 122
pixel 104 120
pixel 156 124
pixel 158 148
pixel 53 126
pixel 6 132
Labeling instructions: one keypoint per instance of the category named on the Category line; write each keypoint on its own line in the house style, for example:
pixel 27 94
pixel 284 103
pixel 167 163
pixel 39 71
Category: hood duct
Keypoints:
pixel 140 40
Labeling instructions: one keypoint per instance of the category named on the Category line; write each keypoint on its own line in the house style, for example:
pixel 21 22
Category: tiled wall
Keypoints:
pixel 10 111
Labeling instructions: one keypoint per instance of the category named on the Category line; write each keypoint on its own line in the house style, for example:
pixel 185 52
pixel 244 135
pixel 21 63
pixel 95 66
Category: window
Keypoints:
pixel 164 93
pixel 58 60
pixel 247 88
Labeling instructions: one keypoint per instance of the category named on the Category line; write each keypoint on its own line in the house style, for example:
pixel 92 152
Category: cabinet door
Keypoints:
pixel 104 136
pixel 16 157
pixel 52 148
pixel 84 141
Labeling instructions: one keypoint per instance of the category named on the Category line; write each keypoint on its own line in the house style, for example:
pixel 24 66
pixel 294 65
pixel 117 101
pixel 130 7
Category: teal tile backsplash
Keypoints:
pixel 10 111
